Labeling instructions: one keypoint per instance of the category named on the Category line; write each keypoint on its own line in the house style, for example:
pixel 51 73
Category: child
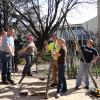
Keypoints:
pixel 61 61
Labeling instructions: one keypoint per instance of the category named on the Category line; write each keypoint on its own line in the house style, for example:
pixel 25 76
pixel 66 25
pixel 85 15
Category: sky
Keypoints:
pixel 83 14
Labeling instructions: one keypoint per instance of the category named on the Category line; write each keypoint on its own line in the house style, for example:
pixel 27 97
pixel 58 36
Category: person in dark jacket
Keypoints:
pixel 61 62
pixel 90 56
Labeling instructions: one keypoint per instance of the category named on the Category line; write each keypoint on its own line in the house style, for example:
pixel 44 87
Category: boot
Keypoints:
pixel 11 81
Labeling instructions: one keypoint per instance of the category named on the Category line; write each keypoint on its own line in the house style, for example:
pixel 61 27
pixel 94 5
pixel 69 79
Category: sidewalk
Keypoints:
pixel 33 84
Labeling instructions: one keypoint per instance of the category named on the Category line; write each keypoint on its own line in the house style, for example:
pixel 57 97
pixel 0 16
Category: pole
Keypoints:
pixel 48 81
pixel 21 79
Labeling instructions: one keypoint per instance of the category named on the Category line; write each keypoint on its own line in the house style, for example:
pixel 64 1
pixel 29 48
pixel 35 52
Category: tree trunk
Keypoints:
pixel 40 43
pixel 5 14
pixel 0 23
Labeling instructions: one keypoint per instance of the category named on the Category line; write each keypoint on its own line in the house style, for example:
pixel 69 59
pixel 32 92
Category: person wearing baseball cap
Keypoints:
pixel 30 51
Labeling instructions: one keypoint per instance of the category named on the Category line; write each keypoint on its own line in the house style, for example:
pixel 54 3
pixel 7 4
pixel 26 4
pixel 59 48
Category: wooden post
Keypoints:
pixel 48 81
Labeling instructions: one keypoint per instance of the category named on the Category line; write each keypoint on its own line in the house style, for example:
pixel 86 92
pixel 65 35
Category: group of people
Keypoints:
pixel 7 50
pixel 58 51
pixel 6 54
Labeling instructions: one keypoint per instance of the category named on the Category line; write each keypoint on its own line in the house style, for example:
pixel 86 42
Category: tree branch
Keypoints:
pixel 31 23
pixel 38 16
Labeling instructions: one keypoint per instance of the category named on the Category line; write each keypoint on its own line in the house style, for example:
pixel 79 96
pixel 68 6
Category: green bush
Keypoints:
pixel 47 57
pixel 41 59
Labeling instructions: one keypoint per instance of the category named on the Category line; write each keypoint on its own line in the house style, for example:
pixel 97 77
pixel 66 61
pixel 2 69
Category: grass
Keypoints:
pixel 94 69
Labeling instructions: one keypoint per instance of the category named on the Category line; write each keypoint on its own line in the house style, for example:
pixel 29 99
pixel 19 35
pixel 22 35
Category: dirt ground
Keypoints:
pixel 34 84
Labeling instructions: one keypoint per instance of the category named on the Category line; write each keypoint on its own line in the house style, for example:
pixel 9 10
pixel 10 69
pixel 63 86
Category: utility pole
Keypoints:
pixel 98 34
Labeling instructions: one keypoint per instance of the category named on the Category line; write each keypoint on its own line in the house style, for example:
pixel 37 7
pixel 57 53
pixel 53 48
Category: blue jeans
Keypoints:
pixel 0 60
pixel 61 78
pixel 29 62
pixel 84 69
pixel 6 60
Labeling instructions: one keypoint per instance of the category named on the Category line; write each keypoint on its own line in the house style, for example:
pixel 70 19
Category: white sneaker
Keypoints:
pixel 57 95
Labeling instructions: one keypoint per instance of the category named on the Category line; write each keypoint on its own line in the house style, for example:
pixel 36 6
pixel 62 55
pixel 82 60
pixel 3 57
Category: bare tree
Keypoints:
pixel 4 14
pixel 5 17
pixel 42 23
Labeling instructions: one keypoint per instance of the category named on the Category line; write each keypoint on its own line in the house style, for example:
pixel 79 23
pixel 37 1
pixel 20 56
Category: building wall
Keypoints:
pixel 91 25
